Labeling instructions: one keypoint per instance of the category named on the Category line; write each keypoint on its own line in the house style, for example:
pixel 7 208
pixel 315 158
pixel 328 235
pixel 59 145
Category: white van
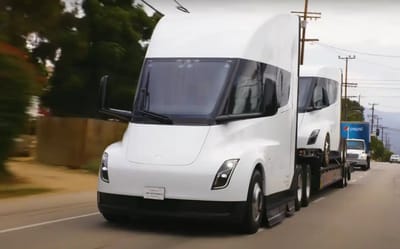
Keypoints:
pixel 213 130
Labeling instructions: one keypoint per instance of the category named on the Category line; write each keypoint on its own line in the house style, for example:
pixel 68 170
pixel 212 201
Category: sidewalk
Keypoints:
pixel 37 178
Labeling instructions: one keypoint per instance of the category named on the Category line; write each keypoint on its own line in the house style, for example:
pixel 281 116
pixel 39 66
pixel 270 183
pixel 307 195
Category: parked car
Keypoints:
pixel 395 158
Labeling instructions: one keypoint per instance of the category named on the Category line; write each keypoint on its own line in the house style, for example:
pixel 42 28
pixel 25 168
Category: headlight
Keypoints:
pixel 363 156
pixel 104 168
pixel 313 137
pixel 224 174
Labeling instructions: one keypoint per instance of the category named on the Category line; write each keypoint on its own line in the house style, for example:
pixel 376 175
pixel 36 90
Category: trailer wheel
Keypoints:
pixel 344 151
pixel 326 152
pixel 343 181
pixel 298 188
pixel 254 205
pixel 305 198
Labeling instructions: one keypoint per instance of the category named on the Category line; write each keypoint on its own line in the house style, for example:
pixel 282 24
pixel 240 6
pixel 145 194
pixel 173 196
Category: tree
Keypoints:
pixel 379 152
pixel 17 78
pixel 106 40
pixel 355 112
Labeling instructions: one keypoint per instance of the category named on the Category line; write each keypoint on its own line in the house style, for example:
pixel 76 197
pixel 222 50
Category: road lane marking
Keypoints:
pixel 47 223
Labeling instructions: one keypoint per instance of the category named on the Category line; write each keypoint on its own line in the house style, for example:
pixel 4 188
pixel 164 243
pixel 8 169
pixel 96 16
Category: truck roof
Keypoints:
pixel 272 40
pixel 327 72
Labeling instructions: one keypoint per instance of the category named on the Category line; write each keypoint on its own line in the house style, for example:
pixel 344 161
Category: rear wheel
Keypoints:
pixel 298 189
pixel 343 182
pixel 344 151
pixel 255 204
pixel 305 198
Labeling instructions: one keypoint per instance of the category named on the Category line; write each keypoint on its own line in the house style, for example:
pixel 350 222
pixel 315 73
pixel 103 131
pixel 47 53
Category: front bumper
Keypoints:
pixel 357 162
pixel 133 206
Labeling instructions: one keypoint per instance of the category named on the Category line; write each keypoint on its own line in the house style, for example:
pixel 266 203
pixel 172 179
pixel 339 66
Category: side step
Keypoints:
pixel 277 211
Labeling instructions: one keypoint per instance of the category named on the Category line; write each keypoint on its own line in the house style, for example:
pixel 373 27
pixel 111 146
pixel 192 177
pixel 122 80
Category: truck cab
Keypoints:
pixel 357 154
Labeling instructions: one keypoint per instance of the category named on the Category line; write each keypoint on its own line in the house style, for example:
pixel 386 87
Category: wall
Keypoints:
pixel 75 141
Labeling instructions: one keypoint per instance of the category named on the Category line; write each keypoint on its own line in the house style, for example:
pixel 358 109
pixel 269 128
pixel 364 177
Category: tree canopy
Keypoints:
pixel 106 40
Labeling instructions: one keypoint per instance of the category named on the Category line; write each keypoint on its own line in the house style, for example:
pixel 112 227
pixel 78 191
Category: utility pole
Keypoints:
pixel 382 129
pixel 305 16
pixel 372 116
pixel 347 58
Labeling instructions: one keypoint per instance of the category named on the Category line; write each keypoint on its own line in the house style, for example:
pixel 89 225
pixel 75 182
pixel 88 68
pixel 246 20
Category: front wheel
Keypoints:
pixel 305 198
pixel 254 205
pixel 298 189
pixel 113 218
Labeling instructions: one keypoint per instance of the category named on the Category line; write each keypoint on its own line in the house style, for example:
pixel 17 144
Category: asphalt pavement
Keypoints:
pixel 364 215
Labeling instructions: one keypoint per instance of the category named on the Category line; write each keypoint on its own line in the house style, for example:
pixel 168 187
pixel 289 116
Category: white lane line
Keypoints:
pixel 47 223
pixel 318 200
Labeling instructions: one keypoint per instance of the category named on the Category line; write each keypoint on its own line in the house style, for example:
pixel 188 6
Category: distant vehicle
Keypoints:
pixel 358 142
pixel 395 158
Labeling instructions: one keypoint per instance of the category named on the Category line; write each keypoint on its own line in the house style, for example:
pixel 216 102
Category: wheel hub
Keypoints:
pixel 257 202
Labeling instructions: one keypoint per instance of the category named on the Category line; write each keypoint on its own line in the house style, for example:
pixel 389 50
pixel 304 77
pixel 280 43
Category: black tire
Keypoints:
pixel 343 181
pixel 113 218
pixel 298 188
pixel 343 151
pixel 326 151
pixel 255 205
pixel 305 199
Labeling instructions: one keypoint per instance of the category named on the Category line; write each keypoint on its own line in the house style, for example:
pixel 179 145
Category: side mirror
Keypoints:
pixel 120 114
pixel 270 98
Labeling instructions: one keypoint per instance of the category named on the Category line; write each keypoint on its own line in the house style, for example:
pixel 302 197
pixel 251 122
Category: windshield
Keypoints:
pixel 182 87
pixel 306 86
pixel 355 145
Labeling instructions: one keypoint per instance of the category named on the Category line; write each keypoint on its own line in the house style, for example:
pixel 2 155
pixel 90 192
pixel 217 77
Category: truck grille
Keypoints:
pixel 352 156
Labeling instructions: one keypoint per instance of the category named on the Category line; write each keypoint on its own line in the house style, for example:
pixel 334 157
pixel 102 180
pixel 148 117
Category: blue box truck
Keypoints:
pixel 357 135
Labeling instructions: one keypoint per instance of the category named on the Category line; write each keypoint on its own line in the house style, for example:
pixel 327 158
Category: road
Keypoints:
pixel 364 215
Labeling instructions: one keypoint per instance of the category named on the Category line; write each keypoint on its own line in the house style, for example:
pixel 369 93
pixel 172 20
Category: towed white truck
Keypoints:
pixel 213 130
pixel 322 149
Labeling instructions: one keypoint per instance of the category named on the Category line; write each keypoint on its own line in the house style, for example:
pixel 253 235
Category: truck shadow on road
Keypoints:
pixel 176 227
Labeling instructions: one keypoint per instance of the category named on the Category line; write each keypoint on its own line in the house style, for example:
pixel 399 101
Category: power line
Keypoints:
pixel 380 87
pixel 379 80
pixel 379 64
pixel 357 52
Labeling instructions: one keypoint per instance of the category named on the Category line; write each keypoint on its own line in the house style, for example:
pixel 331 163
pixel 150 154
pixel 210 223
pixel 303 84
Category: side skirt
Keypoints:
pixel 279 206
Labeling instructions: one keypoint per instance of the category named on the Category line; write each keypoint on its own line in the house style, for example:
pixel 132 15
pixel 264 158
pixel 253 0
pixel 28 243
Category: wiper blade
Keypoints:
pixel 158 117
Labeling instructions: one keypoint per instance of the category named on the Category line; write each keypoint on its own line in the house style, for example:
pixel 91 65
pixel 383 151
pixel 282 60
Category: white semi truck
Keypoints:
pixel 213 130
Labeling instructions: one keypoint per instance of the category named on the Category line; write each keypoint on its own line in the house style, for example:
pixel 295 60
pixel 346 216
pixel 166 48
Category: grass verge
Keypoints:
pixel 92 166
